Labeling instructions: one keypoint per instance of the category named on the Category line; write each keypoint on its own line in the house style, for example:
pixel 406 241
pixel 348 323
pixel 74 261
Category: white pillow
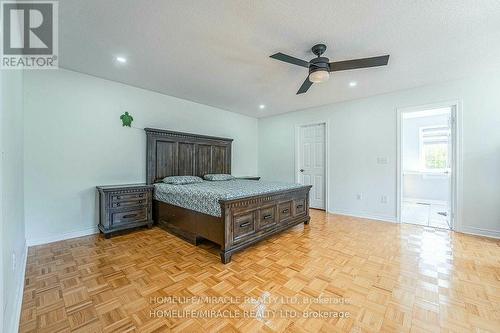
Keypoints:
pixel 218 176
pixel 182 180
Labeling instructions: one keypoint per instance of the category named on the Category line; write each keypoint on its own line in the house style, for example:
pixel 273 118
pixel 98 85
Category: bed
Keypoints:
pixel 233 214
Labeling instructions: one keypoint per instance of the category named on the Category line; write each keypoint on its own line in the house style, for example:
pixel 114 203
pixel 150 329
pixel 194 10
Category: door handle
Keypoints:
pixel 301 170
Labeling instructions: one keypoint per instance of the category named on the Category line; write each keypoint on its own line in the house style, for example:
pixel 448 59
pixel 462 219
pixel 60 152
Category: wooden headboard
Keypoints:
pixel 171 153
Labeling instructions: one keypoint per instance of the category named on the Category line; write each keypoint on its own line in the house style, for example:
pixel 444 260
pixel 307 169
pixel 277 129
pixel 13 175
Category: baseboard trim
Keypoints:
pixel 480 232
pixel 364 215
pixel 13 325
pixel 63 236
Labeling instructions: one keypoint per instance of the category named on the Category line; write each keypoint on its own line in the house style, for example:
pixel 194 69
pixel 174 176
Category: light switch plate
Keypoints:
pixel 381 160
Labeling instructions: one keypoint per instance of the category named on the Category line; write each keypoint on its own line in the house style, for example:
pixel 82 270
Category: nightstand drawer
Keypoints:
pixel 130 216
pixel 127 197
pixel 130 203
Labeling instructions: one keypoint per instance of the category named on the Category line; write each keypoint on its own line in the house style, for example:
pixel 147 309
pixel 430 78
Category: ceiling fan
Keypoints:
pixel 320 68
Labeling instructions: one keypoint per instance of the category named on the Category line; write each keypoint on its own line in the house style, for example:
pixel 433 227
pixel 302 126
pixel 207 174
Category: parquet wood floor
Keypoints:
pixel 360 275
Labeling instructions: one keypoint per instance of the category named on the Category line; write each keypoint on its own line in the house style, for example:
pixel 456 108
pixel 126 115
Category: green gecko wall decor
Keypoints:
pixel 126 119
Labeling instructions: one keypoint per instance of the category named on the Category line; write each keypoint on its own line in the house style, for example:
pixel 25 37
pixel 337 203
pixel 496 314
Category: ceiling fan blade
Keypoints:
pixel 305 86
pixel 290 59
pixel 359 63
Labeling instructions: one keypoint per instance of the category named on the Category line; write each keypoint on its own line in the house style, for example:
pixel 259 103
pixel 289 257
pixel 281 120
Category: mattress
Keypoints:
pixel 204 197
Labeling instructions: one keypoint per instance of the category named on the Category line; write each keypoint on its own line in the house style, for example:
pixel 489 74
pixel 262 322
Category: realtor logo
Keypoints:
pixel 29 35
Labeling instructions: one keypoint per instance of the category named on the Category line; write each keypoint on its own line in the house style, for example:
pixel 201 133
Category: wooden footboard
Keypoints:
pixel 249 220
pixel 244 221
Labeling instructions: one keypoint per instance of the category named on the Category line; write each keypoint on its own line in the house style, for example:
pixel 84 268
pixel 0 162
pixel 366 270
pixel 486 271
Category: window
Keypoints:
pixel 434 142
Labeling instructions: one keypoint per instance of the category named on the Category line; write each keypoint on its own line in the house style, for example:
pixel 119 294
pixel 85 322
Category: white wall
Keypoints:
pixel 74 141
pixel 12 197
pixel 365 129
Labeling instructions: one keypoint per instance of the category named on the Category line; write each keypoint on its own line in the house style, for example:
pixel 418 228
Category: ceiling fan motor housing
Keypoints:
pixel 319 64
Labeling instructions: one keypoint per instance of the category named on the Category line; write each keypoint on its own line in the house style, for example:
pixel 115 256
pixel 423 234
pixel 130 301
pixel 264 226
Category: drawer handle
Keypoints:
pixel 267 217
pixel 117 205
pixel 140 201
pixel 129 216
pixel 285 210
pixel 244 224
pixel 300 206
pixel 118 197
pixel 141 195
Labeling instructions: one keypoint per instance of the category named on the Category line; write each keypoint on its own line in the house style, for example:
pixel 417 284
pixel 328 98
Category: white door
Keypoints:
pixel 312 162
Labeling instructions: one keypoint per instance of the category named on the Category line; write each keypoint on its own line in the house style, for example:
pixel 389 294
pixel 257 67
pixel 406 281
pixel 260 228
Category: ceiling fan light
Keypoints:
pixel 319 76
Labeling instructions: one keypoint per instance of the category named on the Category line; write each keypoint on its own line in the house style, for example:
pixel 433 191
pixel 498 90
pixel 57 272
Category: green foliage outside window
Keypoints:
pixel 436 156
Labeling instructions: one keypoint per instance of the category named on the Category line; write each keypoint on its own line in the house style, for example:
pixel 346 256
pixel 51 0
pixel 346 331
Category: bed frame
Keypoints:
pixel 243 221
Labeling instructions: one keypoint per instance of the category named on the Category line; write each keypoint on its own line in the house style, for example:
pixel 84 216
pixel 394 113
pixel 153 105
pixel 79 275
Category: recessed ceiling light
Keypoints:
pixel 121 60
pixel 262 106
pixel 353 84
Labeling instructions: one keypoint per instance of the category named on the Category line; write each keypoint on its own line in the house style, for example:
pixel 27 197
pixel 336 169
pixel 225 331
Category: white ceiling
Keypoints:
pixel 217 52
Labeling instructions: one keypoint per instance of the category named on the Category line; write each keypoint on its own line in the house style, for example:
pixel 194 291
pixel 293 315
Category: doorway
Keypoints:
pixel 311 163
pixel 427 166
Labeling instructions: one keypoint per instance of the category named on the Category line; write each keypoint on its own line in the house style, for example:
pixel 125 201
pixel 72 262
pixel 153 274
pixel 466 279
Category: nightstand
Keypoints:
pixel 123 207
pixel 249 177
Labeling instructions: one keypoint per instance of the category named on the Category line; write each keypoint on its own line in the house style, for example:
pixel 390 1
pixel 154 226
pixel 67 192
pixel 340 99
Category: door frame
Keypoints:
pixel 326 157
pixel 456 163
pixel 2 297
